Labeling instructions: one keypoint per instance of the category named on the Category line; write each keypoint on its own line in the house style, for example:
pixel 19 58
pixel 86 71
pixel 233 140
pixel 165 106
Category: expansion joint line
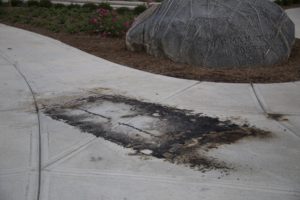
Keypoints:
pixel 96 114
pixel 138 129
pixel 39 126
pixel 266 112
pixel 39 131
pixel 119 123
pixel 258 100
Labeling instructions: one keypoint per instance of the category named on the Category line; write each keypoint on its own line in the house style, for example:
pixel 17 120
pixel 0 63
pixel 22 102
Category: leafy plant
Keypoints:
pixel 109 24
pixel 139 9
pixel 90 6
pixel 16 3
pixel 73 6
pixel 123 10
pixel 61 19
pixel 71 29
pixel 105 6
pixel 71 19
pixel 45 3
pixel 32 3
pixel 59 5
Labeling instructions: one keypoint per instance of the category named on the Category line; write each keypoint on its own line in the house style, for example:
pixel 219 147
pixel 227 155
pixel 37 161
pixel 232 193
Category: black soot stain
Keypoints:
pixel 172 134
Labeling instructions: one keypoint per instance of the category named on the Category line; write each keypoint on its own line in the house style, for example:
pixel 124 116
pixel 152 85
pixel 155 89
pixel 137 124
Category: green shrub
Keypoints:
pixel 90 6
pixel 32 3
pixel 5 4
pixel 74 6
pixel 36 12
pixel 285 2
pixel 62 19
pixel 123 10
pixel 53 28
pixel 278 2
pixel 71 28
pixel 139 9
pixel 109 24
pixel 16 3
pixel 59 5
pixel 45 3
pixel 105 6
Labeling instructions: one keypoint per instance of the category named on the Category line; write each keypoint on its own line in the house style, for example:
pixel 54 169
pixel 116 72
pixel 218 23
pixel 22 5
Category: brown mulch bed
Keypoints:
pixel 114 49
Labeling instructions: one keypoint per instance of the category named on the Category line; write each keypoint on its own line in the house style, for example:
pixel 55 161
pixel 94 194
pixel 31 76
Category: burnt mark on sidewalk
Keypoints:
pixel 277 117
pixel 168 133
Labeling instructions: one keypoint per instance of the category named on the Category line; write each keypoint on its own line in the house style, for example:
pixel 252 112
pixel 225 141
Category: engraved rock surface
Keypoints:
pixel 215 33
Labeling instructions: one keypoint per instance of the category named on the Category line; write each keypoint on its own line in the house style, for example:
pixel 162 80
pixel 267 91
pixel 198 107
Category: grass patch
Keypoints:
pixel 69 19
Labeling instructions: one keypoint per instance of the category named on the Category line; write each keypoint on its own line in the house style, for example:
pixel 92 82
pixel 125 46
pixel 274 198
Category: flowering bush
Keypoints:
pixel 109 23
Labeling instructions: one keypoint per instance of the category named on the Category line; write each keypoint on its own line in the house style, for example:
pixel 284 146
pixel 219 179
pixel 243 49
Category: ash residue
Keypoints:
pixel 183 137
pixel 277 117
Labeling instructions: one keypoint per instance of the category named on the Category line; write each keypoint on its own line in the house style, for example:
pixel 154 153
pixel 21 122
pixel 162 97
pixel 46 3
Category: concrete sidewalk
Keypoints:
pixel 46 159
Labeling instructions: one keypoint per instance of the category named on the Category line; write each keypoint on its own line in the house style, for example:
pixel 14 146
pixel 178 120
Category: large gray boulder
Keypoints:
pixel 215 33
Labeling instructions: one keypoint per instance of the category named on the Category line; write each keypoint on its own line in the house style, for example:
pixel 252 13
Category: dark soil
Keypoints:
pixel 277 117
pixel 114 49
pixel 184 138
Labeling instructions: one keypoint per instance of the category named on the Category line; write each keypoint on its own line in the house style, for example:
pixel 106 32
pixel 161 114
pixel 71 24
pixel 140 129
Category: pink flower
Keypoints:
pixel 103 12
pixel 127 24
pixel 93 21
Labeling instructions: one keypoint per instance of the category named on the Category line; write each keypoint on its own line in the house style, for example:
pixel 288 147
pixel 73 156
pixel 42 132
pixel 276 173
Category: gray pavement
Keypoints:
pixel 41 158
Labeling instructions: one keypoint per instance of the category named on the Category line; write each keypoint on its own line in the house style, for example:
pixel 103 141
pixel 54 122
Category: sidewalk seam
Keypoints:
pixel 179 91
pixel 38 119
pixel 39 126
pixel 267 113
